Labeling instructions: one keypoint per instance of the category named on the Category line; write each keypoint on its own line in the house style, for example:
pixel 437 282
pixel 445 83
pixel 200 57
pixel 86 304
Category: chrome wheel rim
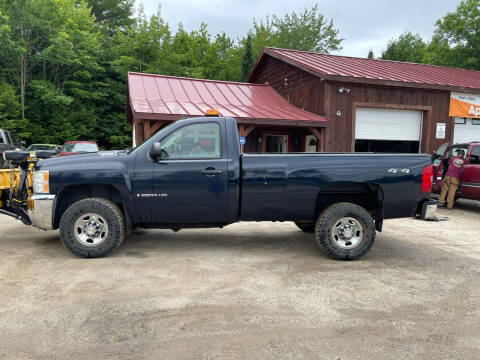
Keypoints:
pixel 347 233
pixel 90 229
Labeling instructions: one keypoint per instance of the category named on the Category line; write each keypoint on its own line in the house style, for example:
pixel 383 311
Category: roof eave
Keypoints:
pixel 253 121
pixel 403 84
pixel 257 63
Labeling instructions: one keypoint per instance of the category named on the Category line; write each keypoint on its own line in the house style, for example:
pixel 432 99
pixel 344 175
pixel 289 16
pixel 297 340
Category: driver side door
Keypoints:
pixel 190 178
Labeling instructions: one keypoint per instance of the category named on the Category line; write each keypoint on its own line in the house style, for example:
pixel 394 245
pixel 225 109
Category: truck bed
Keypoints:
pixel 287 186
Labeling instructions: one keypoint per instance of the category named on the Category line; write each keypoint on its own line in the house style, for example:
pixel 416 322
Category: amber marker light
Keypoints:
pixel 212 112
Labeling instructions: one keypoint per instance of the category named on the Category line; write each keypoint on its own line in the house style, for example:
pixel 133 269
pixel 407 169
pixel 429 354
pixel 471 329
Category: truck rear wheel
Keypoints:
pixel 306 227
pixel 345 231
pixel 92 228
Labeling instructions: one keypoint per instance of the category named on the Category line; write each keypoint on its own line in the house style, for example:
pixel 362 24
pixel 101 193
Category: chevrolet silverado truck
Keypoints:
pixel 193 174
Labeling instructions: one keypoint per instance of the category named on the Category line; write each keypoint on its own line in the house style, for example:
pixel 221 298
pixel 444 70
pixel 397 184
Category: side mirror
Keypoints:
pixel 156 151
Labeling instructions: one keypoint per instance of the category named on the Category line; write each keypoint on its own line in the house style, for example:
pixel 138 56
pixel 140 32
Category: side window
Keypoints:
pixel 197 141
pixel 437 156
pixel 475 155
pixel 452 150
pixel 1 138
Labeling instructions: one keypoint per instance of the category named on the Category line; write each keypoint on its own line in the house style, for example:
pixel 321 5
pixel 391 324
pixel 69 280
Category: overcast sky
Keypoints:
pixel 364 24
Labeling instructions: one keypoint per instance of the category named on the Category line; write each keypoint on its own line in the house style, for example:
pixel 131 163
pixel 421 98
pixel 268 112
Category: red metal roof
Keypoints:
pixel 351 68
pixel 168 98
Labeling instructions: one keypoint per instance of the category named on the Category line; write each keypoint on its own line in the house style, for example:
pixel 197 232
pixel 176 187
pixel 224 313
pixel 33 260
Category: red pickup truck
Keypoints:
pixel 470 178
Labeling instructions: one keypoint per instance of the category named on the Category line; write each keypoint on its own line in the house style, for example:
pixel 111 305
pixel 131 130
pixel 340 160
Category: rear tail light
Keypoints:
pixel 427 179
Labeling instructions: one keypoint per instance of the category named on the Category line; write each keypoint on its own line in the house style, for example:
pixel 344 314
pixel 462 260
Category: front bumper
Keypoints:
pixel 42 214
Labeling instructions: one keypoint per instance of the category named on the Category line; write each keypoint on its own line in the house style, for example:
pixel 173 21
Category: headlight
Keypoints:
pixel 41 184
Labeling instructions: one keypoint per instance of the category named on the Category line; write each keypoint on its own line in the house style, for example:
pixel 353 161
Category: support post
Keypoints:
pixel 146 129
pixel 138 131
pixel 241 132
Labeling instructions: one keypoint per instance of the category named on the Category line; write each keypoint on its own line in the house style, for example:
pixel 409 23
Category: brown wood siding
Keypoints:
pixel 300 88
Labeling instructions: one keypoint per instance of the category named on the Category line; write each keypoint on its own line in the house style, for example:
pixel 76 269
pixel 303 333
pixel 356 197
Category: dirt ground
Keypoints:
pixel 249 291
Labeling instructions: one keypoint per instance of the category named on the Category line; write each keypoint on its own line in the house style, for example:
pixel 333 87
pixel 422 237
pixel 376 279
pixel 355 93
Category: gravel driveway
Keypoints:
pixel 248 291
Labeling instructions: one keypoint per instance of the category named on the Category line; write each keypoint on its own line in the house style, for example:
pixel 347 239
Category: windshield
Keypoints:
pixel 10 137
pixel 34 147
pixel 80 147
pixel 147 143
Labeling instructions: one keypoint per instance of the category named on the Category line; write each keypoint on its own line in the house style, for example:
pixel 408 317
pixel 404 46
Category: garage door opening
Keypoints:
pixel 388 130
pixel 384 146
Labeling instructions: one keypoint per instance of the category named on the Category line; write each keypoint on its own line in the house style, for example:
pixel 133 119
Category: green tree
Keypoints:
pixel 247 58
pixel 456 38
pixel 49 54
pixel 407 47
pixel 112 14
pixel 370 54
pixel 10 111
pixel 308 30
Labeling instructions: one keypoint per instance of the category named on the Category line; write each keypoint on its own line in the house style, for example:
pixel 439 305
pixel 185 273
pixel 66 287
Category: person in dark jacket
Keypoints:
pixel 451 181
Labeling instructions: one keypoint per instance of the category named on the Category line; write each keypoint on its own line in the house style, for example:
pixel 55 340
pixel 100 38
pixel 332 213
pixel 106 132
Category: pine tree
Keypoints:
pixel 247 59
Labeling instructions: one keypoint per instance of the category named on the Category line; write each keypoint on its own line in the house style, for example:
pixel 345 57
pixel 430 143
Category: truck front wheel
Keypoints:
pixel 92 228
pixel 345 231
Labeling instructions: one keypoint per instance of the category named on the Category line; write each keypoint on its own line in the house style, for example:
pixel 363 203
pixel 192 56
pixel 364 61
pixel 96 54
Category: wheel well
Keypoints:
pixel 367 195
pixel 71 194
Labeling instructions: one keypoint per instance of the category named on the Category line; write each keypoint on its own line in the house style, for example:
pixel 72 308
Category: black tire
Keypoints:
pixel 306 227
pixel 107 210
pixel 326 228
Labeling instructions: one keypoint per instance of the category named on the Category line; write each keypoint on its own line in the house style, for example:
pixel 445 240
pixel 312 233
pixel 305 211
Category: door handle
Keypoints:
pixel 210 171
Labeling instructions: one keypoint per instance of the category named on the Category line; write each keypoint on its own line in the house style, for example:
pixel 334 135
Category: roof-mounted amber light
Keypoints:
pixel 212 112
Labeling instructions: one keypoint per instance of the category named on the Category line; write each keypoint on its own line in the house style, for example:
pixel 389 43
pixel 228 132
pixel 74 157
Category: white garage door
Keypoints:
pixel 388 124
pixel 466 130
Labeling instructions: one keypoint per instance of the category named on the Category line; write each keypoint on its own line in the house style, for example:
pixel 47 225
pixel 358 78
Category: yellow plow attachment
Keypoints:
pixel 9 179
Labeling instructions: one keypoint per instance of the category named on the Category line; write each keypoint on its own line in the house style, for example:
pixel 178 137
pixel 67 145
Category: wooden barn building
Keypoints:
pixel 376 105
pixel 303 101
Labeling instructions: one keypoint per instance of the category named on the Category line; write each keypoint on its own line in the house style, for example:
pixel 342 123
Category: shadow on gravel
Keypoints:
pixel 468 205
pixel 464 204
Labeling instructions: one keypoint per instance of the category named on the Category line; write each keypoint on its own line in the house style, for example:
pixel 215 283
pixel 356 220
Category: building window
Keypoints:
pixel 475 121
pixel 460 121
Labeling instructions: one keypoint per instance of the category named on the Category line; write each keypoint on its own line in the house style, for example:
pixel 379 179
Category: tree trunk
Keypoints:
pixel 22 77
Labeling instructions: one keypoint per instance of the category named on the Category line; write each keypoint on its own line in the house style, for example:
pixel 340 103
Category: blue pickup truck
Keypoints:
pixel 193 174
